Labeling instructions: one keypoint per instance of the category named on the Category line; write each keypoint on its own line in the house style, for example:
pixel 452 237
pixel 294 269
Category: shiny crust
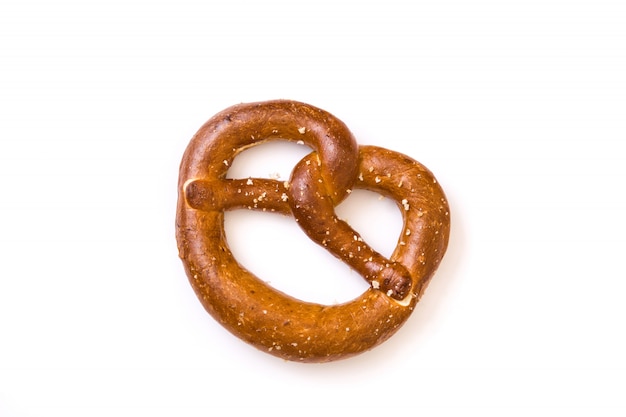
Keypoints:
pixel 263 316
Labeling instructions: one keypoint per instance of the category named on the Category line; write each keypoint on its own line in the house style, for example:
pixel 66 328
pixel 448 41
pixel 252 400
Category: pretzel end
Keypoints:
pixel 198 194
pixel 395 281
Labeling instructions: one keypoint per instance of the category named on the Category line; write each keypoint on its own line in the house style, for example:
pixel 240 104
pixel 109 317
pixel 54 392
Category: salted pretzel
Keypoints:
pixel 258 313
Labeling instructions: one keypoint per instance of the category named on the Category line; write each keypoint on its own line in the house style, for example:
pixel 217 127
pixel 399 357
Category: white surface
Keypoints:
pixel 519 108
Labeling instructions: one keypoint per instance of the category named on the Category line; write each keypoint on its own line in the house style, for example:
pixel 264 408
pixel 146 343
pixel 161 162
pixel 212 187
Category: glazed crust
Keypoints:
pixel 263 316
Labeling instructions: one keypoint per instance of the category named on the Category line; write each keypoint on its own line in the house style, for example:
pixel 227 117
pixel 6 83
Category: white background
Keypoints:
pixel 518 107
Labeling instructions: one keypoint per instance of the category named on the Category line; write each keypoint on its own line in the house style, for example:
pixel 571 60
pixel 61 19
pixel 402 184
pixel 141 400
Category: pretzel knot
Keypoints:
pixel 256 312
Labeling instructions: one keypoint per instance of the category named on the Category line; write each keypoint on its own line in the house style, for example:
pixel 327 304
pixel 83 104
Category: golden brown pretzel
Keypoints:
pixel 263 316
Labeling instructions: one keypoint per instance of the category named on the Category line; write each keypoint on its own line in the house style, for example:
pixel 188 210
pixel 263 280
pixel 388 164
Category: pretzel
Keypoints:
pixel 260 314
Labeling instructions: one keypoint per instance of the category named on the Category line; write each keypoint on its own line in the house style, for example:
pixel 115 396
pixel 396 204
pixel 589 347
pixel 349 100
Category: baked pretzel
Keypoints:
pixel 263 316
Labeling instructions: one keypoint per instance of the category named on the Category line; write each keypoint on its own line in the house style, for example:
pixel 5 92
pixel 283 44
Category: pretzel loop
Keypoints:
pixel 262 315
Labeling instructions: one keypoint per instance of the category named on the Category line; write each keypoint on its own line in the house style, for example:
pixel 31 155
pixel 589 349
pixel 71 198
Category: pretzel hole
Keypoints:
pixel 274 159
pixel 275 249
pixel 376 218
